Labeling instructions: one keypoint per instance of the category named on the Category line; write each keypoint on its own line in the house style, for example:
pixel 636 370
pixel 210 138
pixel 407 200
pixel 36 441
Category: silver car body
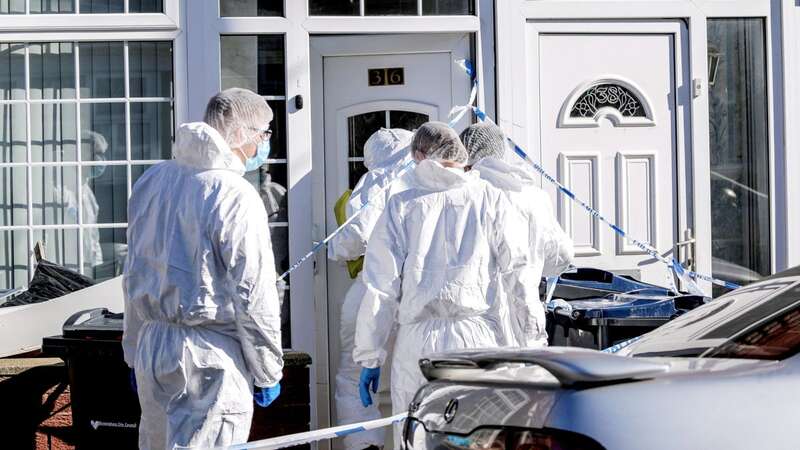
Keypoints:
pixel 652 401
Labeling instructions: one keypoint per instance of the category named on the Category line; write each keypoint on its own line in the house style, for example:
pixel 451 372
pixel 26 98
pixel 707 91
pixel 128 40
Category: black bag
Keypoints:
pixel 49 281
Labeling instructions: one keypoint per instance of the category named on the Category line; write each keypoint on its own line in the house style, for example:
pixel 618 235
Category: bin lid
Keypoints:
pixel 97 323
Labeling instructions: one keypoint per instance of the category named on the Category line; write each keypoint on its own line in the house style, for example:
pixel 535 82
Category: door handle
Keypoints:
pixel 686 249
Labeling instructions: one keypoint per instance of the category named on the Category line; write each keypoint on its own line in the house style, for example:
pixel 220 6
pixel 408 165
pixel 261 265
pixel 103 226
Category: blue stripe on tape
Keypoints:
pixel 679 270
pixel 568 192
pixel 470 69
pixel 344 433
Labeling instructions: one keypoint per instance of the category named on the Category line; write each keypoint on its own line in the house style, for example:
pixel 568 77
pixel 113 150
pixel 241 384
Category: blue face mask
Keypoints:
pixel 258 160
pixel 97 171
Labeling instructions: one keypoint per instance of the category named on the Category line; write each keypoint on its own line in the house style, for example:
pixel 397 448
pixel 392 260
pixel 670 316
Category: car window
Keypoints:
pixel 707 329
pixel 775 334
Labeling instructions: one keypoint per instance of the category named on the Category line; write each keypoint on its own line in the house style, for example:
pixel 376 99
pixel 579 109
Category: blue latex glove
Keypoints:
pixel 265 396
pixel 132 381
pixel 369 378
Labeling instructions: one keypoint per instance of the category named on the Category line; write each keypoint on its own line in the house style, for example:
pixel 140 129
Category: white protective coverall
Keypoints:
pixel 550 252
pixel 429 265
pixel 202 319
pixel 386 153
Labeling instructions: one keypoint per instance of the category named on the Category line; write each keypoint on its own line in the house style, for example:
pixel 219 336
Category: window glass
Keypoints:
pixel 150 67
pixel 257 63
pixel 102 6
pixel 55 195
pixel 53 132
pixel 102 68
pixel 406 119
pixel 52 67
pixel 356 170
pixel 87 6
pixel 390 7
pixel 250 8
pixel 13 196
pixel 333 7
pixel 104 252
pixel 103 131
pixel 360 128
pixel 13 133
pixel 60 246
pixel 12 71
pixel 145 6
pixel 12 6
pixel 137 172
pixel 79 150
pixel 740 184
pixel 13 258
pixel 447 7
pixel 52 6
pixel 253 62
pixel 151 131
pixel 277 143
pixel 105 194
pixel 272 188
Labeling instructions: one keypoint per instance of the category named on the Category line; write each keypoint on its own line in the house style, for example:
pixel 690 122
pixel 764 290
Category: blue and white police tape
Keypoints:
pixel 682 273
pixel 319 245
pixel 308 437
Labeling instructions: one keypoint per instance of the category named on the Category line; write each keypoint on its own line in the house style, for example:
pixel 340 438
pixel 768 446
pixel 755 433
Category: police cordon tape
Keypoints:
pixel 682 273
pixel 290 440
pixel 319 245
pixel 459 111
pixel 307 437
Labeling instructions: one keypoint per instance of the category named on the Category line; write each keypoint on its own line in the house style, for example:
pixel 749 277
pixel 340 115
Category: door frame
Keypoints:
pixel 513 16
pixel 682 99
pixel 322 46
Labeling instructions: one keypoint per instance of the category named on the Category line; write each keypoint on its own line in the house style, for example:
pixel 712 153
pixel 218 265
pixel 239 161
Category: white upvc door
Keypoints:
pixel 351 110
pixel 609 115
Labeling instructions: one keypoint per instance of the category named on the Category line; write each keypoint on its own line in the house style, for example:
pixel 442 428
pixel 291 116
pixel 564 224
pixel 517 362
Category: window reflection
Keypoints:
pixel 13 259
pixel 740 197
pixel 13 133
pixel 250 8
pixel 390 7
pixel 360 127
pixel 53 132
pixel 60 246
pixel 107 253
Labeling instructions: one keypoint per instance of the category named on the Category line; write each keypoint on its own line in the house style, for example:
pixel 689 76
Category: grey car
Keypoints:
pixel 723 376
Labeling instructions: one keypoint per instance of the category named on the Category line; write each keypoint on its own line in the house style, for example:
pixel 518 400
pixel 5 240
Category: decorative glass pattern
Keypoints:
pixel 608 95
pixel 361 127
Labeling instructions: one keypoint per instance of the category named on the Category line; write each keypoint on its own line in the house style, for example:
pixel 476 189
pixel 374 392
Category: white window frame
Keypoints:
pixel 77 22
pixel 77 28
pixel 512 17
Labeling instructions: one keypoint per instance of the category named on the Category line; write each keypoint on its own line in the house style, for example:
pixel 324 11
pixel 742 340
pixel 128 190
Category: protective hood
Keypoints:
pixel 202 147
pixel 432 176
pixel 503 175
pixel 386 148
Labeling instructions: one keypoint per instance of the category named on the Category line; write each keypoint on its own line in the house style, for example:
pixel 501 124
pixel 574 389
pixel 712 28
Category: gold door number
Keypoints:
pixel 386 77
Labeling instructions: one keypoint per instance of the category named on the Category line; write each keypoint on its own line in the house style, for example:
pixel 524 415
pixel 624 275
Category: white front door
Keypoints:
pixel 610 108
pixel 371 82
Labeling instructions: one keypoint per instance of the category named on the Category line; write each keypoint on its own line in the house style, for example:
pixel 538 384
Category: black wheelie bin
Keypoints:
pixel 596 309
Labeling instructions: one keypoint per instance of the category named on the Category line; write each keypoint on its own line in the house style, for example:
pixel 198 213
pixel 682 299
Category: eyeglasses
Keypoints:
pixel 264 134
